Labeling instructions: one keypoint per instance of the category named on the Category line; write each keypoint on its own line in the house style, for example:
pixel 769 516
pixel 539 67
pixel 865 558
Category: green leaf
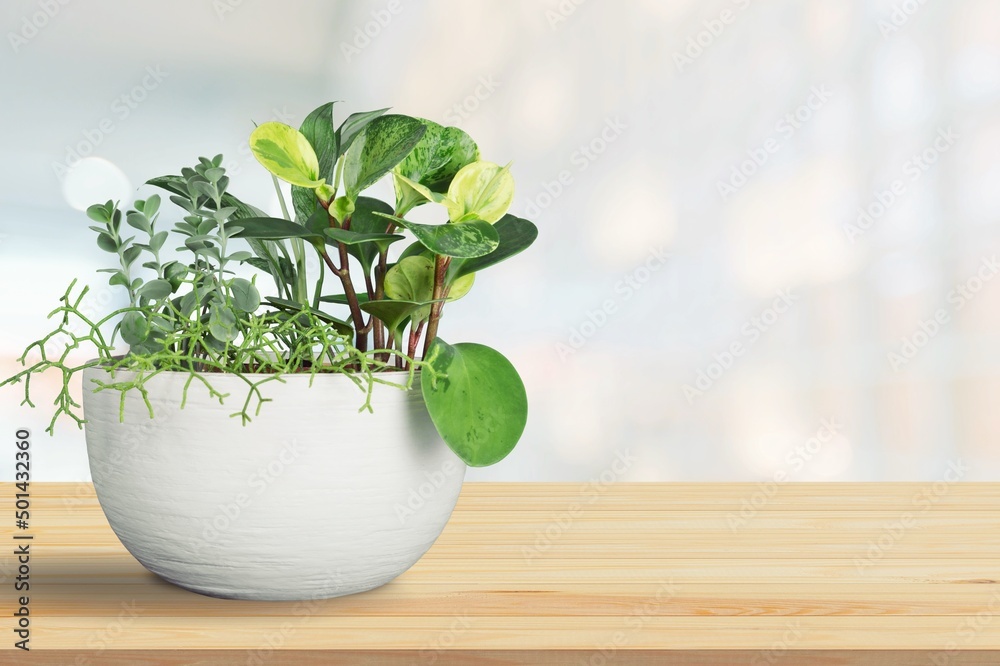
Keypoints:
pixel 479 406
pixel 480 191
pixel 304 203
pixel 241 255
pixel 174 272
pixel 412 279
pixel 341 299
pixel 118 278
pixel 352 127
pixel 351 237
pixel 318 130
pixel 246 298
pixel 341 326
pixel 364 220
pixel 131 254
pixel 101 212
pixel 383 144
pixel 286 153
pixel 134 328
pixel 432 163
pixel 154 290
pixel 222 323
pixel 515 233
pixel 273 228
pixel 138 221
pixel 465 239
pixel 395 313
pixel 106 242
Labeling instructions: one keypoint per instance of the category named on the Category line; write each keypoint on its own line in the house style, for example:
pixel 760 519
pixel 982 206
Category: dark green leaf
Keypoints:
pixel 342 327
pixel 515 233
pixel 479 406
pixel 352 126
pixel 463 239
pixel 351 237
pixel 394 313
pixel 318 129
pixel 365 221
pixel 273 228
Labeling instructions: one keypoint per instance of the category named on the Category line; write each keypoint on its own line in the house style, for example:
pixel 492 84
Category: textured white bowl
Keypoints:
pixel 310 500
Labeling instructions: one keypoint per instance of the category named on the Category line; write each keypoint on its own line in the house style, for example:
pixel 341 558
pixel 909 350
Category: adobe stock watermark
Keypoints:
pixel 795 460
pixel 592 491
pixel 121 108
pixel 913 169
pixel 596 319
pixel 780 647
pixel 563 11
pixel 588 153
pixel 901 14
pixel 364 35
pixel 635 622
pixel 275 639
pixel 32 24
pixel 750 332
pixel 102 640
pixel 784 129
pixel 927 329
pixel 462 111
pixel 894 531
pixel 704 39
pixel 432 651
pixel 222 8
pixel 419 497
pixel 966 632
pixel 258 481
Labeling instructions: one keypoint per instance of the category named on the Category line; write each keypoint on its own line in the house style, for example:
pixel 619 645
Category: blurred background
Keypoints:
pixel 768 229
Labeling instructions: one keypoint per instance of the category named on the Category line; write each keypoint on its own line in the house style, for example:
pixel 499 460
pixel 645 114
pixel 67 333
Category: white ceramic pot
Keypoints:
pixel 310 500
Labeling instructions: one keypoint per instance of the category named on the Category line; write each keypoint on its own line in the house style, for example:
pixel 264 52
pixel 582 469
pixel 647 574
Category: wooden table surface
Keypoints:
pixel 546 573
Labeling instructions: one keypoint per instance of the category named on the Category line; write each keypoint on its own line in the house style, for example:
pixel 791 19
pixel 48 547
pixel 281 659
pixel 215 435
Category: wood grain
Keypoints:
pixel 827 574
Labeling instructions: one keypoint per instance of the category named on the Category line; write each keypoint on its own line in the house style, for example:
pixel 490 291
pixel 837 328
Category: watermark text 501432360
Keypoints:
pixel 22 539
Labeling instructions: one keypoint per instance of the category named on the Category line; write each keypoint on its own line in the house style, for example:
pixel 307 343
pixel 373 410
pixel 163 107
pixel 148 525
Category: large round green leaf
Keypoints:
pixel 477 402
pixel 287 153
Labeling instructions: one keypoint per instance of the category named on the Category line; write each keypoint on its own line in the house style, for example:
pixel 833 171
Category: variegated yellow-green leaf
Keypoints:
pixel 480 191
pixel 433 163
pixel 412 279
pixel 287 153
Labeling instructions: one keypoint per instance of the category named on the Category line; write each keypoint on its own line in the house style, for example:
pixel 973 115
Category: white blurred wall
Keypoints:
pixel 740 140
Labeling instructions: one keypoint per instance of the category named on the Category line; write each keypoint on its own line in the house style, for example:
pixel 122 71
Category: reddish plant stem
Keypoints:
pixel 415 339
pixel 440 270
pixel 361 331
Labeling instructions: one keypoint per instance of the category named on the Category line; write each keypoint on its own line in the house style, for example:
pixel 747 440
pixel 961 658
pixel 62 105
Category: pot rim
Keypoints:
pixel 258 376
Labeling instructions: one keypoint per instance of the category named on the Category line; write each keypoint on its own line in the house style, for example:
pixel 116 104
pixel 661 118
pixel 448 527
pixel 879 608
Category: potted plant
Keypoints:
pixel 231 448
